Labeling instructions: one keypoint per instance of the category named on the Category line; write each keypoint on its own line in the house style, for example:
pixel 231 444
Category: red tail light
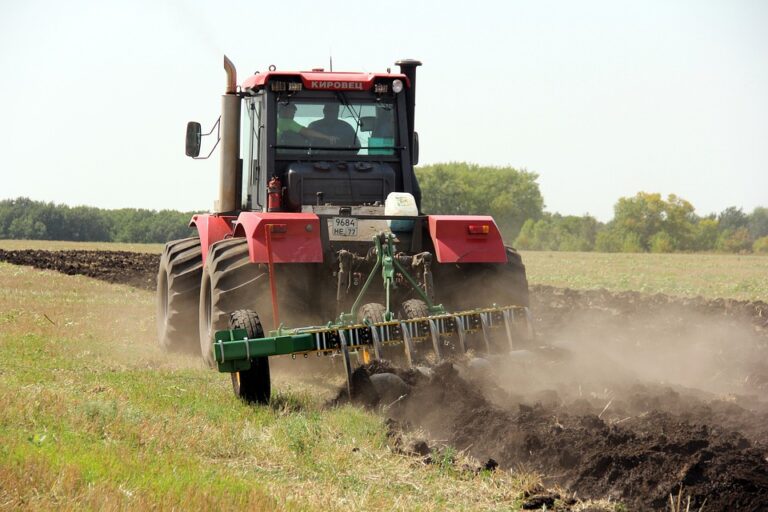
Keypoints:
pixel 478 229
pixel 277 228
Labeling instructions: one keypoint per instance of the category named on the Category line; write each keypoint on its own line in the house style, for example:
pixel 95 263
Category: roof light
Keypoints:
pixel 277 86
pixel 478 229
pixel 397 86
pixel 381 88
pixel 294 86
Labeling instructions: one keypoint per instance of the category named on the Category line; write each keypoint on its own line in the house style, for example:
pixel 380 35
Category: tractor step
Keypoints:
pixel 233 350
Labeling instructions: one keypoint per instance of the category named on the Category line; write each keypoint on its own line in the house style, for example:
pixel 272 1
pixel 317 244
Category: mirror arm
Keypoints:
pixel 217 127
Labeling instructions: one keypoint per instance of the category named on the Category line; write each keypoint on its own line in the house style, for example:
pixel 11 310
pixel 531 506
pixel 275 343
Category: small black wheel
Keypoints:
pixel 373 311
pixel 251 385
pixel 414 308
pixel 417 308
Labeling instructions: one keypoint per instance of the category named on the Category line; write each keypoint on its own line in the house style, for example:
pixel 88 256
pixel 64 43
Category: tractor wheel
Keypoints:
pixel 229 282
pixel 417 308
pixel 178 292
pixel 515 274
pixel 251 385
pixel 373 311
pixel 472 285
pixel 414 308
pixel 376 312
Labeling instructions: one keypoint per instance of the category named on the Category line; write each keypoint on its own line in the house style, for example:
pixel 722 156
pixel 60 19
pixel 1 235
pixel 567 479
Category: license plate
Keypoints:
pixel 344 226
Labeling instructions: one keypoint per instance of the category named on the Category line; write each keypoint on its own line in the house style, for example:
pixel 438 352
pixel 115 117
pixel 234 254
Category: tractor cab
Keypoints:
pixel 325 139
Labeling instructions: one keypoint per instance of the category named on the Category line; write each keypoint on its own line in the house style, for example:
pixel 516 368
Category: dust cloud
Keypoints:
pixel 622 395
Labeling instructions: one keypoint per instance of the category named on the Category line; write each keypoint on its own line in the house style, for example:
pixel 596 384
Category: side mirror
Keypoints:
pixel 415 149
pixel 194 137
pixel 367 123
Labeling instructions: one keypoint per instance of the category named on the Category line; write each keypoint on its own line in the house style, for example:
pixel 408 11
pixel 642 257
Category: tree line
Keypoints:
pixel 646 222
pixel 24 218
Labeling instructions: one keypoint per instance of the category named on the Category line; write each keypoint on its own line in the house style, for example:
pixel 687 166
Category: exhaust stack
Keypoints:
pixel 408 68
pixel 230 143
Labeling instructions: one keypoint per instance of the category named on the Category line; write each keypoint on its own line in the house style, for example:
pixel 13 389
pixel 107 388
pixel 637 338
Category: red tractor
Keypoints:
pixel 318 233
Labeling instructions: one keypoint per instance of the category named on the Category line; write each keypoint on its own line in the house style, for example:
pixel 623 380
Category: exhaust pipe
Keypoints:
pixel 408 68
pixel 231 75
pixel 230 143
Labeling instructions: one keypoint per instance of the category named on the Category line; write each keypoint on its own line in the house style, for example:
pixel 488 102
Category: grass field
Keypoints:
pixel 94 416
pixel 710 275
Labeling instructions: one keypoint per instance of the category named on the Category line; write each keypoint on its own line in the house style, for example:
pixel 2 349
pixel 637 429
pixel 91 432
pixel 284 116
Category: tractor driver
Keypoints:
pixel 286 126
pixel 331 125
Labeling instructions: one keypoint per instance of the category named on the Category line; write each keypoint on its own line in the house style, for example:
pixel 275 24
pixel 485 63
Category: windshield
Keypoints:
pixel 335 126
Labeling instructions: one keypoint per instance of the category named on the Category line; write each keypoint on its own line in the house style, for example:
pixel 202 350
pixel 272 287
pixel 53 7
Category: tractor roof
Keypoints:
pixel 324 80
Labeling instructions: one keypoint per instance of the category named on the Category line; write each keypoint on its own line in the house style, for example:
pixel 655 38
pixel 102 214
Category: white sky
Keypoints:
pixel 601 98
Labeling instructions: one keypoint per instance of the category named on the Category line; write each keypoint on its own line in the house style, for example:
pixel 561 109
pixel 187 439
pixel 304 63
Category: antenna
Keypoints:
pixel 330 58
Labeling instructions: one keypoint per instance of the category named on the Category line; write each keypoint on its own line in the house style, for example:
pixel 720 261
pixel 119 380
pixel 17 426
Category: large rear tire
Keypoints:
pixel 178 292
pixel 230 282
pixel 251 385
pixel 514 271
pixel 473 285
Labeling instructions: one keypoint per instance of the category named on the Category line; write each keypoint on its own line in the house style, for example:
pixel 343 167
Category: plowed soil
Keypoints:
pixel 631 397
pixel 131 268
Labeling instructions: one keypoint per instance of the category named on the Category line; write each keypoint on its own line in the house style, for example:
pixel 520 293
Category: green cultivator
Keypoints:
pixel 420 340
pixel 441 334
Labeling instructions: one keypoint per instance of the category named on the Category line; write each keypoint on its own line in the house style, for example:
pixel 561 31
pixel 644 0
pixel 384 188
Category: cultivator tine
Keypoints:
pixel 347 361
pixel 508 327
pixel 486 337
pixel 376 342
pixel 529 321
pixel 460 334
pixel 435 338
pixel 407 343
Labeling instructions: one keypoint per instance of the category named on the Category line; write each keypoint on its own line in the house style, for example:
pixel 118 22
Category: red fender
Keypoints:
pixel 466 239
pixel 211 229
pixel 295 236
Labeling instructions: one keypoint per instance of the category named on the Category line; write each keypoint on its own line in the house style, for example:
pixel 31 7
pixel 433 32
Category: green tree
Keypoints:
pixel 760 246
pixel 638 219
pixel 510 195
pixel 24 218
pixel 662 242
pixel 609 239
pixel 732 218
pixel 734 240
pixel 555 232
pixel 705 237
pixel 757 223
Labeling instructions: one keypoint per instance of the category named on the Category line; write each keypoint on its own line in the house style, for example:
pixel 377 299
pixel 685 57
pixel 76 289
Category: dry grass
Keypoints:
pixel 93 416
pixel 710 275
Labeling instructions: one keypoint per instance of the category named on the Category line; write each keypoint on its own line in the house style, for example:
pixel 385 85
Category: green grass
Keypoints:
pixel 742 277
pixel 93 416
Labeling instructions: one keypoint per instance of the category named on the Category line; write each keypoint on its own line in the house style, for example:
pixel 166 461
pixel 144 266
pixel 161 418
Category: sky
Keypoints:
pixel 602 99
